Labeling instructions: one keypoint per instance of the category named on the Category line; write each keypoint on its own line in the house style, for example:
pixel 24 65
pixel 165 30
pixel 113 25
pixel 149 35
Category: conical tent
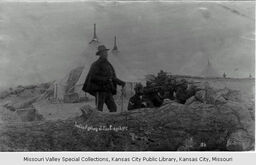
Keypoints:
pixel 95 39
pixel 115 50
pixel 210 71
pixel 76 78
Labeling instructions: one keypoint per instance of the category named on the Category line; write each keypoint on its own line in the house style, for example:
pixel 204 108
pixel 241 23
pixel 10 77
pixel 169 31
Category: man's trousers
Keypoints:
pixel 107 98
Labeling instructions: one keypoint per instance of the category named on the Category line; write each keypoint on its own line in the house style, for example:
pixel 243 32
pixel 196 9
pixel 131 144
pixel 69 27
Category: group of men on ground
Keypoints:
pixel 101 82
pixel 162 87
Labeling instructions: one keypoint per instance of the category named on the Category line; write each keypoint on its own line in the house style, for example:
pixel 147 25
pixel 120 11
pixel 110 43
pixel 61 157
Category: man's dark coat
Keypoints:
pixel 136 102
pixel 181 93
pixel 99 78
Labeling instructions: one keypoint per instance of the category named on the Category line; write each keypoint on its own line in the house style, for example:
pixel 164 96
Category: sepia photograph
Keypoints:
pixel 127 76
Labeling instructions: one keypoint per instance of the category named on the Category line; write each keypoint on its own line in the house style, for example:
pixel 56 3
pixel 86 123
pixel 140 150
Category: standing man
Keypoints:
pixel 101 81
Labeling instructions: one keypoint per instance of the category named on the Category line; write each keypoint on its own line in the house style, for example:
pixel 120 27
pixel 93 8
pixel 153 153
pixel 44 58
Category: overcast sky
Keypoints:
pixel 41 42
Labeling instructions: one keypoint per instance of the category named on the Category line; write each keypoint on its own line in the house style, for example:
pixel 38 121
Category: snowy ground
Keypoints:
pixel 63 111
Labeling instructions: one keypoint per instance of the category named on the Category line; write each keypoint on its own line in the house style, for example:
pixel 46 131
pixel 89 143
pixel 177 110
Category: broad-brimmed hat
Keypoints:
pixel 101 48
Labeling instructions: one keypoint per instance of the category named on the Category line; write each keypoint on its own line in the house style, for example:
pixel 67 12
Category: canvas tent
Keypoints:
pixel 209 71
pixel 74 81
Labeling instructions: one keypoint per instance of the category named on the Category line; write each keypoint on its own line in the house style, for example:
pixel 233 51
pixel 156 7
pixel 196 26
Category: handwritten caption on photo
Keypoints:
pixel 101 128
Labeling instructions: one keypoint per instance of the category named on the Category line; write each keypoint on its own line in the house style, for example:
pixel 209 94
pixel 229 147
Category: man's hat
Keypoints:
pixel 101 48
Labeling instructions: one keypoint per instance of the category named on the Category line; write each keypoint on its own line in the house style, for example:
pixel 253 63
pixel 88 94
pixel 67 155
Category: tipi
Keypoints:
pixel 74 81
pixel 115 50
pixel 210 71
pixel 95 40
